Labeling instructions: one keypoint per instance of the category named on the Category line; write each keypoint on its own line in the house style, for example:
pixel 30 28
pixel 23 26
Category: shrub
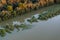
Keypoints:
pixel 10 7
pixel 2 32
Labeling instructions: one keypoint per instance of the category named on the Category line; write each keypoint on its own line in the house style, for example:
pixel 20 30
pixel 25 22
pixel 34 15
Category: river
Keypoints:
pixel 42 30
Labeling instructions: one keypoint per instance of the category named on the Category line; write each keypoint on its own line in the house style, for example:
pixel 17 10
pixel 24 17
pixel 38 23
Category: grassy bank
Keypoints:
pixel 51 12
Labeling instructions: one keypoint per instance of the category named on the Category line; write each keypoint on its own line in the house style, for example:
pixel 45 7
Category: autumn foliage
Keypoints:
pixel 9 8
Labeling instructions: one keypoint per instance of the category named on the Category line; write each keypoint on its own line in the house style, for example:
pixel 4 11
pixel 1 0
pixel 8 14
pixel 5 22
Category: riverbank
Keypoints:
pixel 43 15
pixel 22 17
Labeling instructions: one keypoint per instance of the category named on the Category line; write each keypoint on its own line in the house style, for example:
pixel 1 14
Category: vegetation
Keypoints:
pixel 11 8
pixel 2 32
pixel 33 19
pixel 9 28
pixel 51 12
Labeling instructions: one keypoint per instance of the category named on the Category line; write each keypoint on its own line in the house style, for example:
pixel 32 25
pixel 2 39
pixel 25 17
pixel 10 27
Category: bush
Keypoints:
pixel 13 13
pixel 9 7
pixel 2 32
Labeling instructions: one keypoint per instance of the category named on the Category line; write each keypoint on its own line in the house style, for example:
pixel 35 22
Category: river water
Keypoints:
pixel 42 30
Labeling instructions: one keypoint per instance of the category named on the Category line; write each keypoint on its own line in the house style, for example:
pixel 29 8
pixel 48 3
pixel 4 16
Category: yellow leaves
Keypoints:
pixel 3 1
pixel 45 2
pixel 51 1
pixel 10 7
pixel 37 5
pixel 17 8
pixel 22 5
pixel 11 1
pixel 1 5
pixel 30 4
pixel 26 5
pixel 4 12
pixel 33 6
pixel 18 1
pixel 42 3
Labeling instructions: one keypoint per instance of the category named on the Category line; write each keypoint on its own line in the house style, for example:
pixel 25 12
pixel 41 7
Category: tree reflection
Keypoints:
pixel 9 28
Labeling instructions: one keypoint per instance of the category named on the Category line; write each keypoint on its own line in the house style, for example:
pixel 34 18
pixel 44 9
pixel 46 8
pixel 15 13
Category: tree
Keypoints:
pixel 10 7
pixel 3 1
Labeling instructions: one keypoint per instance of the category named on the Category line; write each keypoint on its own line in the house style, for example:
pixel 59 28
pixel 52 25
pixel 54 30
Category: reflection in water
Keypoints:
pixel 51 12
pixel 17 25
pixel 33 19
pixel 42 30
pixel 9 28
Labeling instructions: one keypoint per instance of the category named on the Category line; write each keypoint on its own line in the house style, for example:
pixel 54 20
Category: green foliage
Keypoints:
pixel 33 19
pixel 2 32
pixel 9 7
pixel 17 27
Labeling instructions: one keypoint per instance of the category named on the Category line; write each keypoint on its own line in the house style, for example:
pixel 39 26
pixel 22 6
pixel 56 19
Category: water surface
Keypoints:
pixel 42 30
